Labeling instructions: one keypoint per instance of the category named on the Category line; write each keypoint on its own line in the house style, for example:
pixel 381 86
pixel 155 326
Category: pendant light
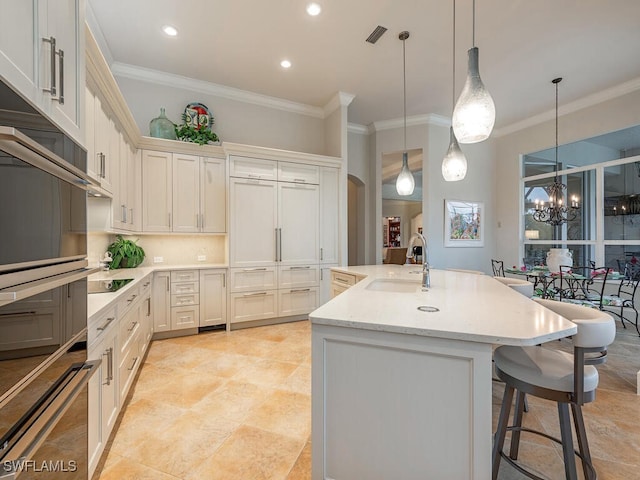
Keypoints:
pixel 405 182
pixel 556 213
pixel 454 164
pixel 475 113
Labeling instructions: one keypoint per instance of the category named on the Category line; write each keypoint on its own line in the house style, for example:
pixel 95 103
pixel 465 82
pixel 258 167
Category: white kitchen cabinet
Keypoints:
pixel 42 57
pixel 186 193
pixel 253 222
pixel 103 390
pixel 157 190
pixel 250 306
pixel 298 216
pixel 329 216
pixel 297 301
pixel 213 297
pixel 103 158
pixel 298 173
pixel 127 196
pixel 325 284
pixel 146 314
pixel 213 195
pixel 254 168
pixel 161 293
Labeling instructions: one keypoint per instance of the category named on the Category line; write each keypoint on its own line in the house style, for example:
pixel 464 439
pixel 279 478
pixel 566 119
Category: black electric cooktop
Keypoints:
pixel 106 286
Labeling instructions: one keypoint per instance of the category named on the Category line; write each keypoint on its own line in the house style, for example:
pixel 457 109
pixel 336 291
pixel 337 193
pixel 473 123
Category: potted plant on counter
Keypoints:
pixel 125 253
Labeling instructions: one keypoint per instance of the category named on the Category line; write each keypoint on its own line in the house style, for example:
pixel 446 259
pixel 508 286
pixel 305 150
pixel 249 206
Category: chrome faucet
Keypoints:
pixel 426 279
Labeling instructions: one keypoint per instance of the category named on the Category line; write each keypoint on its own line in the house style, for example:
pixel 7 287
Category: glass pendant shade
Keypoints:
pixel 405 182
pixel 475 113
pixel 454 164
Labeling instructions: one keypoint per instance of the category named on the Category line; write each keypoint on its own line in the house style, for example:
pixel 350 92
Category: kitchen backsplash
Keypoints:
pixel 174 249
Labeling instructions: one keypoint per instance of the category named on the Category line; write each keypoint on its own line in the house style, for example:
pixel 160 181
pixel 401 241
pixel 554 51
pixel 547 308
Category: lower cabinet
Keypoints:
pixel 213 297
pixel 341 281
pixel 120 337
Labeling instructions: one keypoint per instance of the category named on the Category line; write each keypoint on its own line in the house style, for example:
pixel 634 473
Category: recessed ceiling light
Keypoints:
pixel 285 64
pixel 314 9
pixel 169 30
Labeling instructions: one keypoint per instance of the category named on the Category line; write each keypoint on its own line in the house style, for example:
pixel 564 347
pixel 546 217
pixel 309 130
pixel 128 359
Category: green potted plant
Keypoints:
pixel 200 133
pixel 125 253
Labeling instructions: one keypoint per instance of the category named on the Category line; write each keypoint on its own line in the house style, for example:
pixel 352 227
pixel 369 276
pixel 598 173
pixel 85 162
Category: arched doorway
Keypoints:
pixel 355 221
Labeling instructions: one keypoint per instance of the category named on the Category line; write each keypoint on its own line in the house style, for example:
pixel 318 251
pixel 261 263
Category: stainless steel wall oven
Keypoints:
pixel 43 297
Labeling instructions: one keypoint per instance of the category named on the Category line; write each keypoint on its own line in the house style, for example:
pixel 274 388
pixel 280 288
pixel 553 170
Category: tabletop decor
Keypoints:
pixel 162 127
pixel 463 223
pixel 196 126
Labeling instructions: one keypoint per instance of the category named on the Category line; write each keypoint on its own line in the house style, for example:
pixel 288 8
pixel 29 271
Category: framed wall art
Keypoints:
pixel 463 223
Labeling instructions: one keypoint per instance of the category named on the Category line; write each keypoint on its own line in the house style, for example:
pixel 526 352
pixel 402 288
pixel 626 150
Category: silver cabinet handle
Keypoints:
pixel 224 280
pixel 341 280
pixel 123 213
pixel 167 278
pixel 321 252
pixel 133 297
pixel 109 354
pixel 276 234
pixel 19 314
pixel 257 294
pixel 135 360
pixel 61 65
pixel 106 324
pixel 280 245
pixel 148 306
pixel 321 274
pixel 302 180
pixel 52 41
pixel 299 290
pixel 300 268
pixel 133 325
pixel 131 210
pixel 258 269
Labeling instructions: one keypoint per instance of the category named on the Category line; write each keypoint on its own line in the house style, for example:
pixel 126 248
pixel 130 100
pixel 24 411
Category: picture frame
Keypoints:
pixel 463 223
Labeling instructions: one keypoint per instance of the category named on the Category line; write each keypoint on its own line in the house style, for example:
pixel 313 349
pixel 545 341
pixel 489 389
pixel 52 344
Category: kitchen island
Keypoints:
pixel 405 392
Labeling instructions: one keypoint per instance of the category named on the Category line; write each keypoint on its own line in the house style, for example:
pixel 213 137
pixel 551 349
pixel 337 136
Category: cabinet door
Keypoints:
pixel 93 167
pixel 18 33
pixel 161 289
pixel 298 212
pixel 186 193
pixel 63 20
pixel 213 195
pixel 252 222
pixel 102 140
pixel 329 216
pixel 256 168
pixel 298 173
pixel 120 167
pixel 325 283
pixel 156 191
pixel 134 190
pixel 213 297
pixel 185 317
pixel 297 301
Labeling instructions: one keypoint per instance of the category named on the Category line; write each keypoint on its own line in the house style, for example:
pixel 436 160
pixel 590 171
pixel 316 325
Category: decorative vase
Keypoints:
pixel 557 257
pixel 162 127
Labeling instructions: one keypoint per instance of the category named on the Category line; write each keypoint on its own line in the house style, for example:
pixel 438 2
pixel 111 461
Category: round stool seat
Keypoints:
pixel 543 368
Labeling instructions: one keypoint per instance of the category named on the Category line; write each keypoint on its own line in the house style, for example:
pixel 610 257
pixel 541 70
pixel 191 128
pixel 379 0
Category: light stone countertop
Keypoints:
pixel 473 308
pixel 97 303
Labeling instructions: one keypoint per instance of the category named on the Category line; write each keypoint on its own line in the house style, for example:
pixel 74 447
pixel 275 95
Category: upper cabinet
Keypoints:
pixel 183 193
pixel 42 57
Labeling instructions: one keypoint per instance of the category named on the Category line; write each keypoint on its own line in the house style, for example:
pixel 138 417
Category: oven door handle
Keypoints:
pixel 34 428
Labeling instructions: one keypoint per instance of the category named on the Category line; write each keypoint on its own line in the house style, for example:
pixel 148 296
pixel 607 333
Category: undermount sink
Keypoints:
pixel 394 285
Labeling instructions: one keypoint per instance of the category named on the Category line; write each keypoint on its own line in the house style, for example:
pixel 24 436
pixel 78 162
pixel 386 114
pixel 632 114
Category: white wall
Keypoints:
pixel 358 166
pixel 234 121
pixel 609 116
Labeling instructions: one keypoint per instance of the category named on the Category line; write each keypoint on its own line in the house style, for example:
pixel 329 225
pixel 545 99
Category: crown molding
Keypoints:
pixel 359 129
pixel 581 103
pixel 340 99
pixel 178 81
pixel 96 31
pixel 428 119
pixel 278 154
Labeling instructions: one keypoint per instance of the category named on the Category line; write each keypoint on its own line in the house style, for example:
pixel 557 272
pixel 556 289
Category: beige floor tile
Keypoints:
pixel 121 468
pixel 302 468
pixel 250 453
pixel 285 413
pixel 299 381
pixel 269 373
pixel 186 389
pixel 234 400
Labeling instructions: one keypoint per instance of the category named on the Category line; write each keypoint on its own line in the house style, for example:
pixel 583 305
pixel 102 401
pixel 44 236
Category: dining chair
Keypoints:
pixel 569 380
pixel 498 268
pixel 626 295
pixel 583 285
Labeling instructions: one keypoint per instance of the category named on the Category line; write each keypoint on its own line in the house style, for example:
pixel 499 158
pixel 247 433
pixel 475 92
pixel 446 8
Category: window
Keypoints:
pixel 607 228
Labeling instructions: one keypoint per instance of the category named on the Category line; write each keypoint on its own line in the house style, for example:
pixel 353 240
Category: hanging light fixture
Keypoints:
pixel 556 212
pixel 405 182
pixel 475 113
pixel 454 164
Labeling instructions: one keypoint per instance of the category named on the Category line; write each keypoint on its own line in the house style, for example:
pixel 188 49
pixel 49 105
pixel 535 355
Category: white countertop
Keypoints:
pixel 473 308
pixel 99 302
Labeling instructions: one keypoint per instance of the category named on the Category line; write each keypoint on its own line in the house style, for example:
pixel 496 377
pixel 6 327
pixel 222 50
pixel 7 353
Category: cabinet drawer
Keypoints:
pixel 297 301
pixel 253 306
pixel 128 300
pixel 129 326
pixel 298 173
pixel 145 285
pixel 246 167
pixel 298 276
pixel 184 276
pixel 343 278
pixel 128 367
pixel 100 325
pixel 252 279
pixel 185 317
pixel 185 299
pixel 184 288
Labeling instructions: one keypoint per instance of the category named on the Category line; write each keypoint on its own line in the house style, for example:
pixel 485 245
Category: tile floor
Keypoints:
pixel 237 406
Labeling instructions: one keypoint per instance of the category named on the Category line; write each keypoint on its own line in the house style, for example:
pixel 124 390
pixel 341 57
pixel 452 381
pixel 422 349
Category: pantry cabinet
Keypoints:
pixel 329 223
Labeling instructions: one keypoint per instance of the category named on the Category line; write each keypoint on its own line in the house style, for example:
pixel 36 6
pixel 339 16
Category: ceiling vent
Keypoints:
pixel 376 34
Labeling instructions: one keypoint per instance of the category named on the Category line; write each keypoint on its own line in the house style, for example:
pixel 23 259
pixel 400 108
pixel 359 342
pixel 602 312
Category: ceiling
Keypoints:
pixel 523 44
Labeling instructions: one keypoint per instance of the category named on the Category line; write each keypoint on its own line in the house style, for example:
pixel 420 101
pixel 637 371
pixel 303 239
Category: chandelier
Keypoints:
pixel 556 212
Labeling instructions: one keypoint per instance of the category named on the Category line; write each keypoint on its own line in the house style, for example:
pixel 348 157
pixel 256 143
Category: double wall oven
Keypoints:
pixel 43 297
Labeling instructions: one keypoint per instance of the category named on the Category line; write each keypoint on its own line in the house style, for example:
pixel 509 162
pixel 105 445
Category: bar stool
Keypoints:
pixel 524 287
pixel 569 380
